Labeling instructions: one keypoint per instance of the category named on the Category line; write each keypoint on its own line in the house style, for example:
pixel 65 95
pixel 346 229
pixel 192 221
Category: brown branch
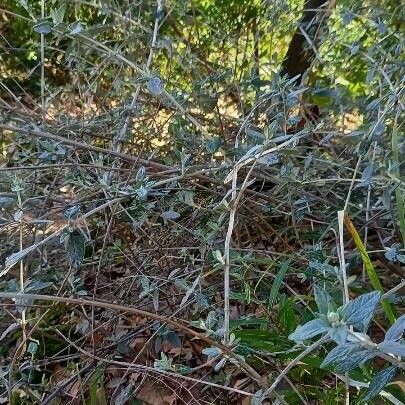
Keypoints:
pixel 84 146
pixel 150 315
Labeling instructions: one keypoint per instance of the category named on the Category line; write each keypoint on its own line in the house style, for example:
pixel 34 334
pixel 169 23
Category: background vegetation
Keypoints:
pixel 202 202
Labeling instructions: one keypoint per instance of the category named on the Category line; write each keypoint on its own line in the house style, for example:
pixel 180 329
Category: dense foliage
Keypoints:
pixel 202 201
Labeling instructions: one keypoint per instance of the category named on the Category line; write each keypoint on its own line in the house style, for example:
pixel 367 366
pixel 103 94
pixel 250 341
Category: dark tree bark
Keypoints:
pixel 300 53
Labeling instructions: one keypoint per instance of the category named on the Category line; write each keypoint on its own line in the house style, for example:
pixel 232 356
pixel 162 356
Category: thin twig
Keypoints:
pixel 283 373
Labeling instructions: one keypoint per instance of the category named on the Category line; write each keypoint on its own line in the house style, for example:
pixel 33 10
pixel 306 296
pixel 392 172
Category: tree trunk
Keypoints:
pixel 301 52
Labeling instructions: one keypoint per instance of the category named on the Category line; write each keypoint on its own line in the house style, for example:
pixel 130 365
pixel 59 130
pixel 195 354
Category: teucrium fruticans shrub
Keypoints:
pixel 347 326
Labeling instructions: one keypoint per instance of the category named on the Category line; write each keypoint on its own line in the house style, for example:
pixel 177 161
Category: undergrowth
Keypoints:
pixel 182 222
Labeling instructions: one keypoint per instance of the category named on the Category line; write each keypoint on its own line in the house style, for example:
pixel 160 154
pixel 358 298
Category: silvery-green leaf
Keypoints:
pixel 22 303
pixel 382 29
pixel 76 28
pixel 145 283
pixel 82 293
pixel 355 360
pixel 72 212
pixel 212 145
pixel 6 201
pixel 124 395
pixel 36 285
pixel 322 267
pixel 339 353
pixel 367 175
pixel 218 256
pixel 75 245
pixel 18 215
pixel 324 301
pixel 64 235
pixel 17 184
pixel 16 257
pixel 346 357
pixel 308 160
pixel 11 328
pixel 268 160
pixel 386 197
pixel 309 330
pixel 395 348
pixel 359 312
pixel 393 252
pixel 257 398
pixel 173 339
pixel 211 351
pixel 338 334
pixel 220 364
pixel 182 369
pixel 189 292
pixel 141 192
pixel 140 174
pixel 58 14
pixel 379 381
pixel 396 331
pixel 354 49
pixel 13 259
pixel 213 319
pixel 254 135
pixel 373 104
pixel 25 4
pixel 360 337
pixel 43 28
pixel 155 86
pixel 180 283
pixel 170 214
pixel 378 129
pixel 252 151
pixel 202 300
pixel 164 363
pixel 401 258
pixel 32 347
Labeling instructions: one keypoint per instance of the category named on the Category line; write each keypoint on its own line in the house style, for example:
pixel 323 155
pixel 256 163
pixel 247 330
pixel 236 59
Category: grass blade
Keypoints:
pixel 372 274
pixel 277 281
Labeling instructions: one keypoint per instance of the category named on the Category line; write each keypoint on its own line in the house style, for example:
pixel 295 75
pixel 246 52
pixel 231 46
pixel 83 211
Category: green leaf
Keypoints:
pixel 277 282
pixel 97 391
pixel 379 381
pixel 287 316
pixel 263 340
